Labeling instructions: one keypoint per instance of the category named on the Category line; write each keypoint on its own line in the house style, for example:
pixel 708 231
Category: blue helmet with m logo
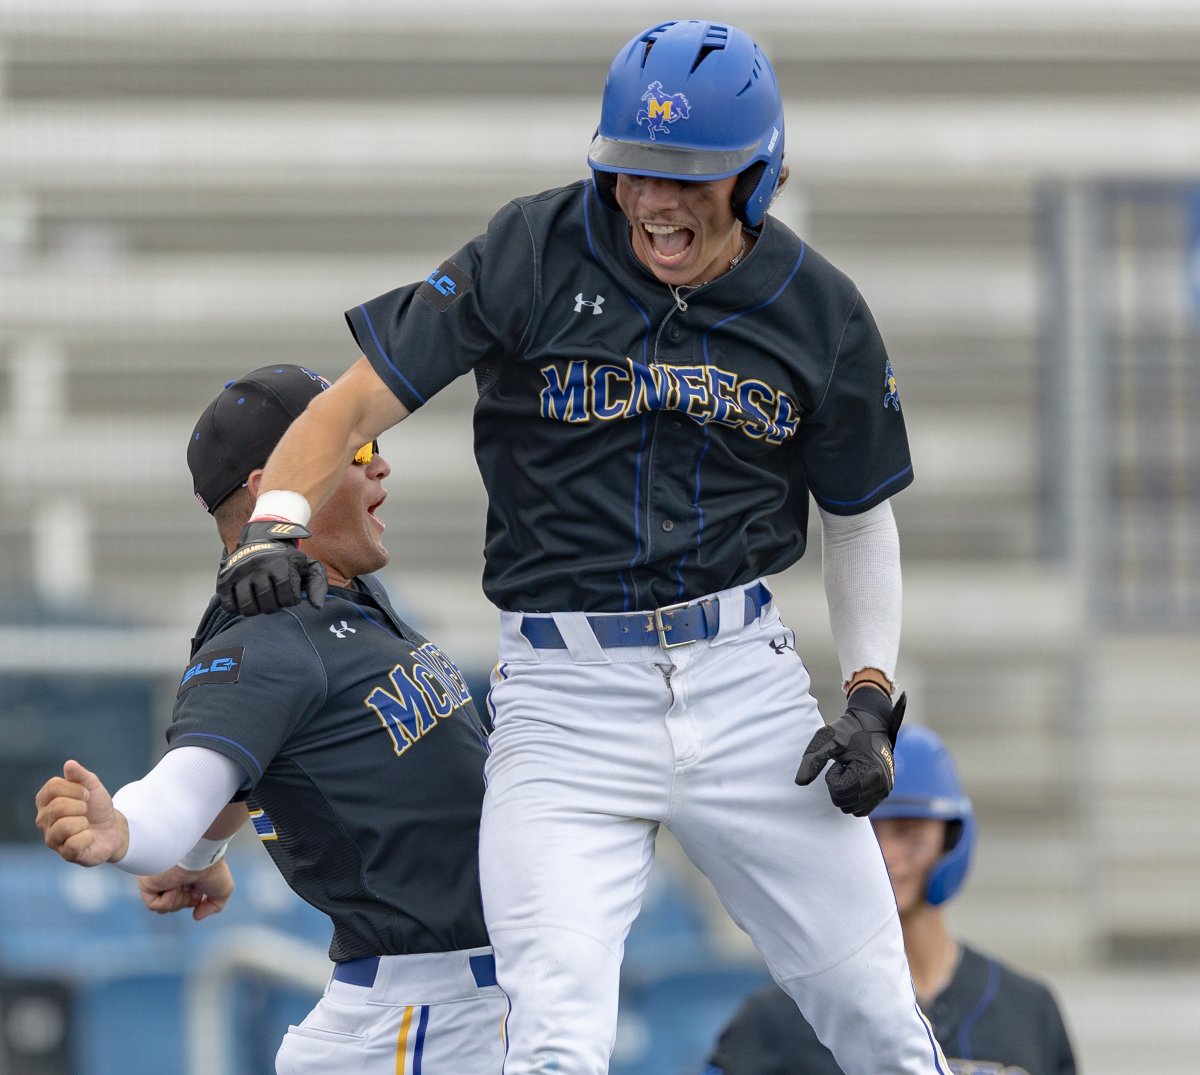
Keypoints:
pixel 692 101
pixel 927 786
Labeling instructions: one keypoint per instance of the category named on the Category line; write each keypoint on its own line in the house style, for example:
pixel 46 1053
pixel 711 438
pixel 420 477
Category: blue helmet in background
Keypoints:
pixel 692 101
pixel 927 786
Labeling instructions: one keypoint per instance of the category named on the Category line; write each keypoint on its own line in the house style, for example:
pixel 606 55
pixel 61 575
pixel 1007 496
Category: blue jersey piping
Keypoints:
pixel 384 355
pixel 974 1015
pixel 637 477
pixel 704 451
pixel 863 499
pixel 222 739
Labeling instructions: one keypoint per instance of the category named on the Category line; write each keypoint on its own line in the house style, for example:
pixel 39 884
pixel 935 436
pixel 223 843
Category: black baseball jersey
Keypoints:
pixel 989 1020
pixel 363 760
pixel 636 453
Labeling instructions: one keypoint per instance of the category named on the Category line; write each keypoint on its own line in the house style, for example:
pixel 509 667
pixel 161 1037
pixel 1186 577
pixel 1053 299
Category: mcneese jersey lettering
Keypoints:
pixel 727 412
pixel 363 762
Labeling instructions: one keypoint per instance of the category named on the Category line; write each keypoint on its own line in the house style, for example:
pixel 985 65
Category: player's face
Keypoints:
pixel 911 847
pixel 347 533
pixel 684 233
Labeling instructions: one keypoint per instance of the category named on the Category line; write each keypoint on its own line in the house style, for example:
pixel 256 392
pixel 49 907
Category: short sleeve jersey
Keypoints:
pixel 636 453
pixel 989 1020
pixel 363 761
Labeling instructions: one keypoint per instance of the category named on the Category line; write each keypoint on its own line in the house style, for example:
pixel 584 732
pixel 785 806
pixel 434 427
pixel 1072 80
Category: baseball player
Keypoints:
pixel 665 375
pixel 352 742
pixel 989 1019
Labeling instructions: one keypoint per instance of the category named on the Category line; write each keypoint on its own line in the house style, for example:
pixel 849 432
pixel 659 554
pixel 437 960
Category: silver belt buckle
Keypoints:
pixel 662 628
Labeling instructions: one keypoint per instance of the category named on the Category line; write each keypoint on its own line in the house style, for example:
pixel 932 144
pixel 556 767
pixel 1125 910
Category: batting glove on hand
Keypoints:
pixel 860 743
pixel 267 571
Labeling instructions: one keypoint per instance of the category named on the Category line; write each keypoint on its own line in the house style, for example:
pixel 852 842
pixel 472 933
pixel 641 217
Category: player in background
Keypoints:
pixel 989 1019
pixel 666 374
pixel 352 742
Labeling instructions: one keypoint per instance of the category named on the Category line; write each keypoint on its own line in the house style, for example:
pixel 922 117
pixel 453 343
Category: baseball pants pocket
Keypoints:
pixel 308 1048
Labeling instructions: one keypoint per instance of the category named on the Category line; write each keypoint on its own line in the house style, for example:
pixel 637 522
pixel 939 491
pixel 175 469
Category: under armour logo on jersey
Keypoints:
pixel 342 631
pixel 595 304
pixel 780 645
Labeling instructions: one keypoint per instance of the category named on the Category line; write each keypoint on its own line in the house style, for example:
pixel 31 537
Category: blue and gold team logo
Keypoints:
pixel 661 109
pixel 891 397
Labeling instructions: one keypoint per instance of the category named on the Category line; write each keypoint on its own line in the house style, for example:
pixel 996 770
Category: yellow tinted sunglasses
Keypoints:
pixel 366 453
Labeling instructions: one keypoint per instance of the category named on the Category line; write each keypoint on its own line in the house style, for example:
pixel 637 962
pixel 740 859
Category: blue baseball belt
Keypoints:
pixel 669 626
pixel 362 971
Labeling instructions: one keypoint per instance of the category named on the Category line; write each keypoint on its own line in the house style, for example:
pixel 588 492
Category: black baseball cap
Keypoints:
pixel 240 428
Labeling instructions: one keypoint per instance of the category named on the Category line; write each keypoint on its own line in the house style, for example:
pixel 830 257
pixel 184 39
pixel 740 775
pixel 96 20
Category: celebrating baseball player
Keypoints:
pixel 354 745
pixel 987 1017
pixel 665 375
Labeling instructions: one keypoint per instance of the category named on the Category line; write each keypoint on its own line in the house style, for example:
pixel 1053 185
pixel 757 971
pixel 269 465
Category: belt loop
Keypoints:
pixel 581 640
pixel 513 644
pixel 731 605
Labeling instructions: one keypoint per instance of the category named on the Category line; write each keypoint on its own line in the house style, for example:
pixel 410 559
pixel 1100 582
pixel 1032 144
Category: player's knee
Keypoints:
pixel 563 986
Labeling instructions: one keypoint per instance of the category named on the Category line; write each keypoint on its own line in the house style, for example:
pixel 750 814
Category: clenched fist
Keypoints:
pixel 77 818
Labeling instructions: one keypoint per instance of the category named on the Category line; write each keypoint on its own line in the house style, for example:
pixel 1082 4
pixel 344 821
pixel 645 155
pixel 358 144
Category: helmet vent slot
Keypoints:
pixel 705 49
pixel 715 39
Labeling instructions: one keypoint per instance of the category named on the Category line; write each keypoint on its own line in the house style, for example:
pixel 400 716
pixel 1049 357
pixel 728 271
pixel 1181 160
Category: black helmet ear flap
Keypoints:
pixel 745 188
pixel 606 188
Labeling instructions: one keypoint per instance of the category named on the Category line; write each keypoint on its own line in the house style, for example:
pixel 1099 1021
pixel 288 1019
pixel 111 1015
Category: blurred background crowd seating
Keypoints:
pixel 193 188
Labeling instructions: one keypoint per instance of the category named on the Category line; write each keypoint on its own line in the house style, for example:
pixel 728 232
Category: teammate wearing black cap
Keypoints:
pixel 990 1019
pixel 354 744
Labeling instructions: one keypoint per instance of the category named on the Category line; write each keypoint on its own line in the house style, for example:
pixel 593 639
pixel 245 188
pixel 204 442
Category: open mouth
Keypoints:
pixel 669 242
pixel 375 507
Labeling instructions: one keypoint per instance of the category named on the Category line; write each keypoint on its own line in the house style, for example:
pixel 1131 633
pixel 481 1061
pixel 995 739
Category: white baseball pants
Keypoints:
pixel 423 1014
pixel 593 749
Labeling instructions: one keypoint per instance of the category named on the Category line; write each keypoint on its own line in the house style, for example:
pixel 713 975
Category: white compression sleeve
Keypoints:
pixel 860 559
pixel 172 806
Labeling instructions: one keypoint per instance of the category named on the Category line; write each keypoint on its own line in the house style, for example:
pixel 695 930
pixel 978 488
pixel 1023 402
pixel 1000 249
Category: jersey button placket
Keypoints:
pixel 668 525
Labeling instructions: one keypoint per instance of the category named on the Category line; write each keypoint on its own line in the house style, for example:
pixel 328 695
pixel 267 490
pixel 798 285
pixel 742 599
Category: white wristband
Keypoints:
pixel 206 853
pixel 283 504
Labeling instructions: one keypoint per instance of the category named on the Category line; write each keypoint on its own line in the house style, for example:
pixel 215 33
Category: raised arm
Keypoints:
pixel 267 570
pixel 308 462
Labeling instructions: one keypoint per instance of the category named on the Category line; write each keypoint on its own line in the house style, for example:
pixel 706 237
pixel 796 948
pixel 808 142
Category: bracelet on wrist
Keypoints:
pixel 883 688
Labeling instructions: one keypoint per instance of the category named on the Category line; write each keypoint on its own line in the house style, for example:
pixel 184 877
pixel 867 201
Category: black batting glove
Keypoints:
pixel 860 744
pixel 267 571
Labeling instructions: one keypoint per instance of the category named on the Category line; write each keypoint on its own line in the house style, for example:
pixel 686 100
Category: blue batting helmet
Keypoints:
pixel 927 786
pixel 692 101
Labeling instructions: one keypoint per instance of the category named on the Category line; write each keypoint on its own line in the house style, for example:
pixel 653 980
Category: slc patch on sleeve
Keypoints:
pixel 216 666
pixel 445 286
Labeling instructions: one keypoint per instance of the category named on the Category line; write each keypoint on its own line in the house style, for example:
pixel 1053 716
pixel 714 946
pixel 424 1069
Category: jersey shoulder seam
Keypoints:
pixel 316 653
pixel 837 351
pixel 536 282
